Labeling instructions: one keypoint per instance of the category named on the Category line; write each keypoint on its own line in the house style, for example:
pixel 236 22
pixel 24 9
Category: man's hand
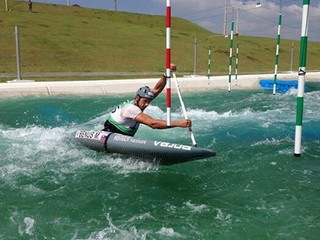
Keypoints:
pixel 173 67
pixel 186 123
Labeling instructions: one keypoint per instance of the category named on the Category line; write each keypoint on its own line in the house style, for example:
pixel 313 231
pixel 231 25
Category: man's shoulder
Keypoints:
pixel 131 106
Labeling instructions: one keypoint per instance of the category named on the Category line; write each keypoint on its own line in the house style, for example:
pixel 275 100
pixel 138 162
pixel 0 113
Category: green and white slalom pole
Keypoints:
pixel 277 56
pixel 237 62
pixel 209 63
pixel 230 56
pixel 301 79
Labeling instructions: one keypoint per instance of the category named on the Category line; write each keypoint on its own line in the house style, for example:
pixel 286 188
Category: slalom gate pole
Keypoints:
pixel 237 62
pixel 209 63
pixel 194 143
pixel 277 56
pixel 230 56
pixel 168 61
pixel 301 79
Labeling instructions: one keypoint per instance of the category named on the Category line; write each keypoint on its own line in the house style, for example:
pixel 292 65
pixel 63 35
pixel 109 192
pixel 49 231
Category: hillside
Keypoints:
pixel 58 38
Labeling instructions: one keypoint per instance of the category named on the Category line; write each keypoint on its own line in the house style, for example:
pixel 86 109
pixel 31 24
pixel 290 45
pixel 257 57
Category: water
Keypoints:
pixel 53 188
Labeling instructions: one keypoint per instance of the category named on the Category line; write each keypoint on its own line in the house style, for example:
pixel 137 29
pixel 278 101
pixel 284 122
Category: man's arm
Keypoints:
pixel 159 86
pixel 161 124
pixel 162 82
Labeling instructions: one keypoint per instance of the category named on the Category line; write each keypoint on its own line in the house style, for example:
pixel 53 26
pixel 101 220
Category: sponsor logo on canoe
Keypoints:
pixel 123 138
pixel 91 135
pixel 172 145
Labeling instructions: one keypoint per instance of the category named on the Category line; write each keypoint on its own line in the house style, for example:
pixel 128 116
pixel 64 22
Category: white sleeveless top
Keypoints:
pixel 123 117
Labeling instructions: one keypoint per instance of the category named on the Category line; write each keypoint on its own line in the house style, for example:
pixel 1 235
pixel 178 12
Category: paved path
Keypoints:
pixel 187 83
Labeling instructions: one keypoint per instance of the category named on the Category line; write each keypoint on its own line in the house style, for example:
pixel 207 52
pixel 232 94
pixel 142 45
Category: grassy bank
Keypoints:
pixel 58 38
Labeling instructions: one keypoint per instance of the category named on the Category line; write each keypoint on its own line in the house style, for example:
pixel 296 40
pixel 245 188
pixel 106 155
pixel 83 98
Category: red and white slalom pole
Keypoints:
pixel 168 61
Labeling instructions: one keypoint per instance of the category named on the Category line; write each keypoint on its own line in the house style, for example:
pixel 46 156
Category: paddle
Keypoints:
pixel 194 143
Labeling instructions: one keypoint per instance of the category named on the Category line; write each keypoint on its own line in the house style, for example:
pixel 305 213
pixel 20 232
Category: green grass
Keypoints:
pixel 58 38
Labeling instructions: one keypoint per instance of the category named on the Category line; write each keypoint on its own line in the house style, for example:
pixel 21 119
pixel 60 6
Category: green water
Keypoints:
pixel 53 188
